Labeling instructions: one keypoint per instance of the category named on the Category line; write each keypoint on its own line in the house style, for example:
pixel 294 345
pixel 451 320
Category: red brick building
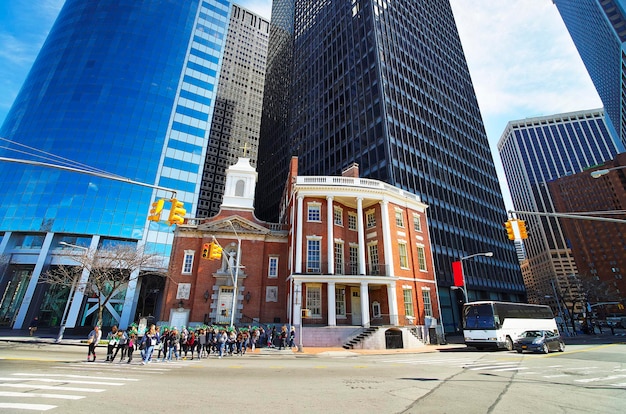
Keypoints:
pixel 348 252
pixel 598 247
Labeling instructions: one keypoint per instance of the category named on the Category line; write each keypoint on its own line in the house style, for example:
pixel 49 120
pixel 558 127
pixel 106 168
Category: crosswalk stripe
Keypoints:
pixel 34 407
pixel 492 367
pixel 607 378
pixel 62 380
pixel 52 387
pixel 76 376
pixel 39 395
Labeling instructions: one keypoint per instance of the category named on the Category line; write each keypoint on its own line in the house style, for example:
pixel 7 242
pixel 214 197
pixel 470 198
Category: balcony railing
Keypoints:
pixel 345 269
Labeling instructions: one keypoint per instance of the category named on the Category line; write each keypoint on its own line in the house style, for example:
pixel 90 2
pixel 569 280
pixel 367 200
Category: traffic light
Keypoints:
pixel 206 247
pixel 523 233
pixel 215 251
pixel 155 211
pixel 509 229
pixel 177 212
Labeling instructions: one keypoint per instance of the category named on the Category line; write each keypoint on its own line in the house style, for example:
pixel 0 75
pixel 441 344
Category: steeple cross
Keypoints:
pixel 245 149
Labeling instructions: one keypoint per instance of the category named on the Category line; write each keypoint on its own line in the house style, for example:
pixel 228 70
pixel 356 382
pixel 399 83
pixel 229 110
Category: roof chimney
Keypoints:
pixel 351 171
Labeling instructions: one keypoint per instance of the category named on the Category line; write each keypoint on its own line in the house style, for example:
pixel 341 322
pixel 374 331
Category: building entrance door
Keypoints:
pixel 356 305
pixel 224 305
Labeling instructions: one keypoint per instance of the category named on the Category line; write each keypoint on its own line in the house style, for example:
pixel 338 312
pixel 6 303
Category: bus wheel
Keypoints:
pixel 509 343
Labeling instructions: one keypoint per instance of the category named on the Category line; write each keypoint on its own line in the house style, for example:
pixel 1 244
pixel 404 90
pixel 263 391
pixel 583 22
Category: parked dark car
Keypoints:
pixel 539 341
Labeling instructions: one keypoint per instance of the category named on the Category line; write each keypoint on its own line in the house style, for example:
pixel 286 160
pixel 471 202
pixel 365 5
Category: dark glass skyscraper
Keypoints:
pixel 385 84
pixel 598 29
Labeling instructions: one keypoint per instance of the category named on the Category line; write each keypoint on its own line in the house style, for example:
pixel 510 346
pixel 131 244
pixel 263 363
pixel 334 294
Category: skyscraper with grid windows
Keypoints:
pixel 385 85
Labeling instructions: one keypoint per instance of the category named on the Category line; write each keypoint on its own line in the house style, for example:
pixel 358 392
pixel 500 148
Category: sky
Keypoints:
pixel 520 56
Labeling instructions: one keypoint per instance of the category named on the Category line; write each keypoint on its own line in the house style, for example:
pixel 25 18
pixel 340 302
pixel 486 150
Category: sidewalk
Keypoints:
pixel 22 336
pixel 453 342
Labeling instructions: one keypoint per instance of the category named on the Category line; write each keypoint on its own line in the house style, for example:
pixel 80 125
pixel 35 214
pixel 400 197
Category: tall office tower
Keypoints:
pixel 535 151
pixel 598 29
pixel 238 101
pixel 385 85
pixel 124 87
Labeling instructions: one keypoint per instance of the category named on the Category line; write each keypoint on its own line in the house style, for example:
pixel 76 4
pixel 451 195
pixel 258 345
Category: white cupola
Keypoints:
pixel 240 186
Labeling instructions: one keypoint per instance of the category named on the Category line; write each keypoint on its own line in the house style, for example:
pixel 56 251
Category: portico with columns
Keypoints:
pixel 361 253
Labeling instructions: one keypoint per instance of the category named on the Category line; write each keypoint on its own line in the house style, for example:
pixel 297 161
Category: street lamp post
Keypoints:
pixel 488 254
pixel 235 277
pixel 70 296
pixel 600 173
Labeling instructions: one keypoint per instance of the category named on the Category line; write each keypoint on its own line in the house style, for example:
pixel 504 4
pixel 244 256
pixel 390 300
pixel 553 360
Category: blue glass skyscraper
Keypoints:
pixel 598 29
pixel 123 87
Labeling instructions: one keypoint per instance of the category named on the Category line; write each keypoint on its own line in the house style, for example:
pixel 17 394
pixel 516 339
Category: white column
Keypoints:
pixel 365 305
pixel 32 284
pixel 384 211
pixel 332 315
pixel 361 235
pixel 331 238
pixel 298 303
pixel 393 303
pixel 73 314
pixel 299 225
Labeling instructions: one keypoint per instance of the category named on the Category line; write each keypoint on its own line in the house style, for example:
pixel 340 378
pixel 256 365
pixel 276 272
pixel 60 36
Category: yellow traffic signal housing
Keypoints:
pixel 523 233
pixel 215 251
pixel 155 211
pixel 177 212
pixel 509 229
pixel 206 247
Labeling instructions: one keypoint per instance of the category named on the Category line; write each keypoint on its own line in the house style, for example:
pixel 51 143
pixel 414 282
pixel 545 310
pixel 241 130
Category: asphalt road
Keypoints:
pixel 586 378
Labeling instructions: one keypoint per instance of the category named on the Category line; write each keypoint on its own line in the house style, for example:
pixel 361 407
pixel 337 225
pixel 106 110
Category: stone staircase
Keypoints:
pixel 367 332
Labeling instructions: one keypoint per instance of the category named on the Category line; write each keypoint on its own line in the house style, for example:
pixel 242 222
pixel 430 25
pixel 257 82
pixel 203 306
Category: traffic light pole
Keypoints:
pixel 580 216
pixel 93 173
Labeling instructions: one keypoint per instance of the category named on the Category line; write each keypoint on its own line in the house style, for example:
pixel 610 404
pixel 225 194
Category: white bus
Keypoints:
pixel 490 324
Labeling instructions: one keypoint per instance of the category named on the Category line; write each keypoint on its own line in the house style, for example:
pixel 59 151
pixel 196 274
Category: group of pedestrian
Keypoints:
pixel 118 341
pixel 194 344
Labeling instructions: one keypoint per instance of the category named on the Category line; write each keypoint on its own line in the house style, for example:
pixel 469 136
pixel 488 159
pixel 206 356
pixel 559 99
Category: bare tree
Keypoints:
pixel 109 269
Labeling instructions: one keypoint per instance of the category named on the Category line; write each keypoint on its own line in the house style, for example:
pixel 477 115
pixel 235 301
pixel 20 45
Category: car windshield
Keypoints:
pixel 532 334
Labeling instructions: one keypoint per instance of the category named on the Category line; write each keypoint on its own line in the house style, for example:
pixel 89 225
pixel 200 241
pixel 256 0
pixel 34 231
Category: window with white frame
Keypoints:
pixel 404 258
pixel 399 218
pixel 340 301
pixel 408 301
pixel 372 249
pixel 338 216
pixel 352 221
pixel 314 212
pixel 371 218
pixel 188 262
pixel 339 269
pixel 272 269
pixel 417 222
pixel 428 306
pixel 354 259
pixel 313 255
pixel 421 257
pixel 314 300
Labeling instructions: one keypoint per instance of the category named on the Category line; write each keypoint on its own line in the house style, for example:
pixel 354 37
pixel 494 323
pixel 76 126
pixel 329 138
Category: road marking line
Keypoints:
pixel 492 367
pixel 76 376
pixel 51 387
pixel 39 395
pixel 510 369
pixel 34 407
pixel 556 376
pixel 610 377
pixel 62 380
